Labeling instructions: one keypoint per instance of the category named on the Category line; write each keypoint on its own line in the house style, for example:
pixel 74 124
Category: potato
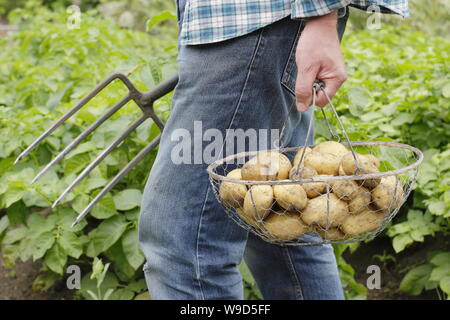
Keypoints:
pixel 285 167
pixel 303 173
pixel 341 171
pixel 374 208
pixel 233 194
pixel 371 183
pixel 323 163
pixel 298 155
pixel 314 189
pixel 345 189
pixel 366 221
pixel 388 194
pixel 365 163
pixel 375 161
pixel 258 201
pixel 333 147
pixel 251 221
pixel 349 165
pixel 360 201
pixel 316 211
pixel 290 196
pixel 266 166
pixel 331 234
pixel 287 226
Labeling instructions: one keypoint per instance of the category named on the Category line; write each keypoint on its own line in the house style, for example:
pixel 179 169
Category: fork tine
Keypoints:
pixel 82 135
pixel 100 157
pixel 66 116
pixel 117 178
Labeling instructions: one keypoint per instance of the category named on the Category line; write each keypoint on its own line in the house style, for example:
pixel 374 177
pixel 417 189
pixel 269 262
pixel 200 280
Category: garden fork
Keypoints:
pixel 145 102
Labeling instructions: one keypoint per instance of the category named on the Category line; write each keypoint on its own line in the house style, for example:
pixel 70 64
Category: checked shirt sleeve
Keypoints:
pixel 313 8
pixel 208 21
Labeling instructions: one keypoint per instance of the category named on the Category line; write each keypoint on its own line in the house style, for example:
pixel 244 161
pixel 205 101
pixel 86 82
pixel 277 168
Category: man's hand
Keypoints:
pixel 318 57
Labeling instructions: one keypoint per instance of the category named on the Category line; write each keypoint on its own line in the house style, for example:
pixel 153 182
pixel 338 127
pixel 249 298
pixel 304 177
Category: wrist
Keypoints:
pixel 329 19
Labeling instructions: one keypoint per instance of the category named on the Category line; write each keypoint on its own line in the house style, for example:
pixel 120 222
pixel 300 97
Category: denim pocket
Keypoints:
pixel 290 70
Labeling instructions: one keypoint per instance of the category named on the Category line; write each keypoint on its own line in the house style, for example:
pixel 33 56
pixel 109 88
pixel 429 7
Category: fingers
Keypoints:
pixel 304 84
pixel 332 85
pixel 303 87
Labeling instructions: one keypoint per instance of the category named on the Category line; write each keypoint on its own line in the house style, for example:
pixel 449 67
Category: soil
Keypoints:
pixel 16 284
pixel 393 271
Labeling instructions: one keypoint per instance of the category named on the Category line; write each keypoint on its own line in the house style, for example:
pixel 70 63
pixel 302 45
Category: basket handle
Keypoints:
pixel 319 85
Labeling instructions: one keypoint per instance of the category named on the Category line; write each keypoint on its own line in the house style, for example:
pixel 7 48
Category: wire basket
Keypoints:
pixel 330 193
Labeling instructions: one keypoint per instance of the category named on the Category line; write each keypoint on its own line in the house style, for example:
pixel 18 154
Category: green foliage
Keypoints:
pixel 139 14
pixel 160 17
pixel 416 226
pixel 433 275
pixel 352 289
pixel 106 284
pixel 251 291
pixel 7 6
pixel 44 69
pixel 431 17
pixel 398 89
pixel 403 74
pixel 385 258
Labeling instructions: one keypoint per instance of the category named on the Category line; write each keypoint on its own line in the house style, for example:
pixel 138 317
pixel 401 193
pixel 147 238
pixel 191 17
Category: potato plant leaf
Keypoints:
pixel 131 248
pixel 106 234
pixel 56 259
pixel 128 199
pixel 415 280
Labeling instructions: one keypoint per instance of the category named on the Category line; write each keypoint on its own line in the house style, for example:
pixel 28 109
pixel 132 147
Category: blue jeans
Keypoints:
pixel 191 246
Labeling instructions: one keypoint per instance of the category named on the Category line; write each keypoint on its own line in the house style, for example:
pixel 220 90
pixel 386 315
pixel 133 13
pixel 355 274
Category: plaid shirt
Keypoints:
pixel 207 21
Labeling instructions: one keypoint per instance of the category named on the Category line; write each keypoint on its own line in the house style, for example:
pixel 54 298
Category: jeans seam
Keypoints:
pixel 285 77
pixel 198 240
pixel 258 44
pixel 294 275
pixel 198 275
pixel 294 47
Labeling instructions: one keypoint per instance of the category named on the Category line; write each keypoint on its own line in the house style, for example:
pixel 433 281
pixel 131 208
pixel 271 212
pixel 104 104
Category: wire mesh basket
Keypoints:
pixel 332 192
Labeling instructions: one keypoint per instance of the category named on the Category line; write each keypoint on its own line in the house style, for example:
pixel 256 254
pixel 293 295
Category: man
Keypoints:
pixel 243 63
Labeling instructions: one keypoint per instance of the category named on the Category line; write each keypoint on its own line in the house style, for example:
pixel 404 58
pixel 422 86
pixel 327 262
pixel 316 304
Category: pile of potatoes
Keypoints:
pixel 341 210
